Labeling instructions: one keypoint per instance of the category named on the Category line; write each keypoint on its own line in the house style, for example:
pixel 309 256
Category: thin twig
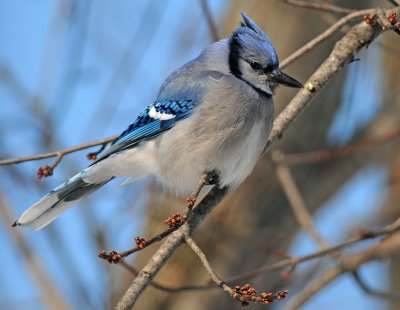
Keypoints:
pixel 195 248
pixel 168 289
pixel 326 155
pixel 93 155
pixel 296 200
pixel 320 6
pixel 169 246
pixel 325 35
pixel 293 261
pixel 373 292
pixel 244 294
pixel 56 153
pixel 349 263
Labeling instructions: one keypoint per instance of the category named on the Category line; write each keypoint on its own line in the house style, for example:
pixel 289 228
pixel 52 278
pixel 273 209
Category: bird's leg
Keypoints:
pixel 211 177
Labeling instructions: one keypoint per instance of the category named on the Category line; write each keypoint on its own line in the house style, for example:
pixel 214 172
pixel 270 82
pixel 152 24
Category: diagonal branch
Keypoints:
pixel 373 292
pixel 387 247
pixel 297 203
pixel 320 6
pixel 325 35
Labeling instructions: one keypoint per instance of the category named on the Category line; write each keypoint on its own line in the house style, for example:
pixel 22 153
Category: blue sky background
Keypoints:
pixel 49 51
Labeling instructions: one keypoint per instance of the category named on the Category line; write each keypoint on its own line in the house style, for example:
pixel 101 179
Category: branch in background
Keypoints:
pixel 373 292
pixel 350 263
pixel 210 21
pixel 294 261
pixel 296 200
pixel 325 35
pixel 34 265
pixel 343 52
pixel 326 155
pixel 320 6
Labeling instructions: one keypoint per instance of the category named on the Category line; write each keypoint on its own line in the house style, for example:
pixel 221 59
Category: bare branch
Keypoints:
pixel 322 281
pixel 168 289
pixel 349 263
pixel 293 261
pixel 326 155
pixel 296 200
pixel 195 248
pixel 373 292
pixel 325 35
pixel 57 153
pixel 210 21
pixel 320 6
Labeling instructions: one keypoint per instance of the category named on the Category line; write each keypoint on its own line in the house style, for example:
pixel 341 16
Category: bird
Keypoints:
pixel 213 114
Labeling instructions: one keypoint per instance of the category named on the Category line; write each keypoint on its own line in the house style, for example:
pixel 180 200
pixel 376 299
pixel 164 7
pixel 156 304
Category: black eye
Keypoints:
pixel 255 65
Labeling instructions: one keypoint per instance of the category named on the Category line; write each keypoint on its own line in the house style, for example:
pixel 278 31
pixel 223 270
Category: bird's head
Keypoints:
pixel 253 59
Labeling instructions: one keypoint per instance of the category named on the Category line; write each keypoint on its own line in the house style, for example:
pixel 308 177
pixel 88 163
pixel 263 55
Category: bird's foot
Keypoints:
pixel 211 177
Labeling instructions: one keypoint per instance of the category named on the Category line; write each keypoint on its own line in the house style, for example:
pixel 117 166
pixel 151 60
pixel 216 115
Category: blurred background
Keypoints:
pixel 75 71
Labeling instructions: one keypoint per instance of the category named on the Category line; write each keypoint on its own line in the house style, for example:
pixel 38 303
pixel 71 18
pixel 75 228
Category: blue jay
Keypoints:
pixel 215 113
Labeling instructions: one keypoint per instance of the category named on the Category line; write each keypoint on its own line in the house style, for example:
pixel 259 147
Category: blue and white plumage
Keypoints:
pixel 213 114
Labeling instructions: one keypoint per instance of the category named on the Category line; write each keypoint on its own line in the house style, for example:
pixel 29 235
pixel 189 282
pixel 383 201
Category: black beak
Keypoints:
pixel 279 77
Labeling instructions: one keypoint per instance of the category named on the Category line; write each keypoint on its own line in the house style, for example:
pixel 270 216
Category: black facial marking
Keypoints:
pixel 234 56
pixel 234 48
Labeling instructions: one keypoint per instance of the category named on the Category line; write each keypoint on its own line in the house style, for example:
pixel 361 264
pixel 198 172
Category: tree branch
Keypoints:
pixel 349 263
pixel 325 35
pixel 57 153
pixel 169 246
pixel 296 200
pixel 293 261
pixel 373 292
pixel 320 6
pixel 326 155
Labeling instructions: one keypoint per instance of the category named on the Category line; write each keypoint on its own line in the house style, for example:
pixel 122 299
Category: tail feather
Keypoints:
pixel 58 201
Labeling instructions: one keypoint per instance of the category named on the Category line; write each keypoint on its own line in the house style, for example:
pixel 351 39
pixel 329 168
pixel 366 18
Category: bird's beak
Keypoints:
pixel 279 77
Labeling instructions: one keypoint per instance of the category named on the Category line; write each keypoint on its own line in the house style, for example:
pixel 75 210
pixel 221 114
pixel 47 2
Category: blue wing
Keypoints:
pixel 146 127
pixel 166 111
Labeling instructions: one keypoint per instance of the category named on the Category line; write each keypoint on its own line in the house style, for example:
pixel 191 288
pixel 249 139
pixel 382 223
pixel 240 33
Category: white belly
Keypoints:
pixel 182 160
